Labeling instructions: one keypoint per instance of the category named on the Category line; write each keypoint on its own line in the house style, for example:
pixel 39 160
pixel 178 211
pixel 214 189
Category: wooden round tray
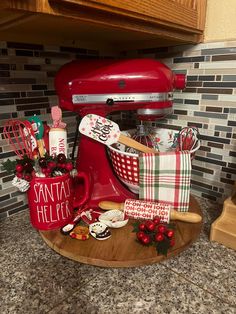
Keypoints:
pixel 122 249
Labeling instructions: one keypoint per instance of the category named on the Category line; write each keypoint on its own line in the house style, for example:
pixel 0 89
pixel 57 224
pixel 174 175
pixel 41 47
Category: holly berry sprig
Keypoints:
pixel 153 232
pixel 23 168
pixel 50 164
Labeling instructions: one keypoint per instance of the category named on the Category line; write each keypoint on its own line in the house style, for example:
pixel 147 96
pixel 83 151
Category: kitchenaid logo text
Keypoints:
pixel 102 130
pixel 52 201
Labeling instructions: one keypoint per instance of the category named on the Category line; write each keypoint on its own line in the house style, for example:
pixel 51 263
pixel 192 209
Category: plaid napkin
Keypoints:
pixel 165 178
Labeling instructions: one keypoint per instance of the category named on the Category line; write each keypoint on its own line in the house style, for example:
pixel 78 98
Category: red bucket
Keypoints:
pixel 51 200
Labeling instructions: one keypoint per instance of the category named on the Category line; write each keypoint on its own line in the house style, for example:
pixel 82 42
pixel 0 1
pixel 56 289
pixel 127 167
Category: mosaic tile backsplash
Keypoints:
pixel 209 102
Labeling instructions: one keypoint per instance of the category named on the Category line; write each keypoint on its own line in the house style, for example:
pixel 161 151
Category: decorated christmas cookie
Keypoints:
pixel 80 233
pixel 99 231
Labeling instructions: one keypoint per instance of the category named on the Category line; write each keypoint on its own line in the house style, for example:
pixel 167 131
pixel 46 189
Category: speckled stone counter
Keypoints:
pixel 35 279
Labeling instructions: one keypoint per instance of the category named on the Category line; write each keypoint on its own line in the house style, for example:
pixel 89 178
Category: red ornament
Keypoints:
pixel 52 164
pixel 19 168
pixel 140 235
pixel 150 225
pixel 161 228
pixel 61 165
pixel 170 233
pixel 44 171
pixel 61 158
pixel 142 227
pixel 146 239
pixel 159 237
pixel 27 177
pixel 48 170
pixel 69 166
pixel 156 220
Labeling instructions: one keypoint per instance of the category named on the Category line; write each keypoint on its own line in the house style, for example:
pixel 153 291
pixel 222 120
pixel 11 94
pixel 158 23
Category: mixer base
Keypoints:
pixel 122 249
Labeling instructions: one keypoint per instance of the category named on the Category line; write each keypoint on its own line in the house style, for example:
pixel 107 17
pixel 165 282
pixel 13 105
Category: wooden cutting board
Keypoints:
pixel 121 249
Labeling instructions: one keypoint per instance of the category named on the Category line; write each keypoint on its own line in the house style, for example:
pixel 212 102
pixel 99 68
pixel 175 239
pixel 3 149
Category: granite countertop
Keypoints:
pixel 35 279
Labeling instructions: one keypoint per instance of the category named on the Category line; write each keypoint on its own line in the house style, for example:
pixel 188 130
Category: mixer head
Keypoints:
pixel 104 86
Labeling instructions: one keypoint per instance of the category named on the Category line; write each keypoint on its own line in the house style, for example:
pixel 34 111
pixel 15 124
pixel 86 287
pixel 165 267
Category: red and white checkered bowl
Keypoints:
pixel 126 166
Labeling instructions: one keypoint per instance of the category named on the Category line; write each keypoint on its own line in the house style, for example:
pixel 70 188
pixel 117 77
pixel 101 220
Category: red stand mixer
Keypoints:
pixel 103 86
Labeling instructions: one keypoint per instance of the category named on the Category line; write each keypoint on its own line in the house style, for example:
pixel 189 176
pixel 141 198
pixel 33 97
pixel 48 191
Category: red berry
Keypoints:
pixel 84 237
pixel 19 175
pixel 73 235
pixel 44 170
pixel 146 239
pixel 19 168
pixel 156 220
pixel 170 233
pixel 62 166
pixel 159 237
pixel 140 235
pixel 48 170
pixel 161 228
pixel 52 164
pixel 172 242
pixel 142 227
pixel 150 225
pixel 27 177
pixel 69 166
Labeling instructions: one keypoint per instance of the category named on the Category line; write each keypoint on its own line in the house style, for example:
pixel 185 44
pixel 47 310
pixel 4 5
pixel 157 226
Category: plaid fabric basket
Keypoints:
pixel 165 178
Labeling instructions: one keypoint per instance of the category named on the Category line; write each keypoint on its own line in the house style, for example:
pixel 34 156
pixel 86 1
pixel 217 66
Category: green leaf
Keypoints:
pixel 9 165
pixel 135 226
pixel 162 247
pixel 171 226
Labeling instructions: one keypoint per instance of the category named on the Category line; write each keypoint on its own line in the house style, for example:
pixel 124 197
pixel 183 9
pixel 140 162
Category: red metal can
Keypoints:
pixel 51 200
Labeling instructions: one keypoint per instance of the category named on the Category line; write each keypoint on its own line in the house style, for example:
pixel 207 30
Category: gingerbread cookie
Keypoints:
pixel 80 233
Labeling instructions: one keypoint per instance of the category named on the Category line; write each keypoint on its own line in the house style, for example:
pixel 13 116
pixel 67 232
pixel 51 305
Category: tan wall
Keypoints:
pixel 220 20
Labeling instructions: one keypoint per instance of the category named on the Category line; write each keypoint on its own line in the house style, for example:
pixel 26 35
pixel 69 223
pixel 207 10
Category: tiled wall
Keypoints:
pixel 27 87
pixel 209 101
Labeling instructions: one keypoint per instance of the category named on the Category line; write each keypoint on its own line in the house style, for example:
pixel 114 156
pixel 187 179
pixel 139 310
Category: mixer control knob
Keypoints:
pixel 179 81
pixel 110 102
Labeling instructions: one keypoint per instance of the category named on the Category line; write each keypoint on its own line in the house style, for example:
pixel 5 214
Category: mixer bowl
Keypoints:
pixel 126 165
